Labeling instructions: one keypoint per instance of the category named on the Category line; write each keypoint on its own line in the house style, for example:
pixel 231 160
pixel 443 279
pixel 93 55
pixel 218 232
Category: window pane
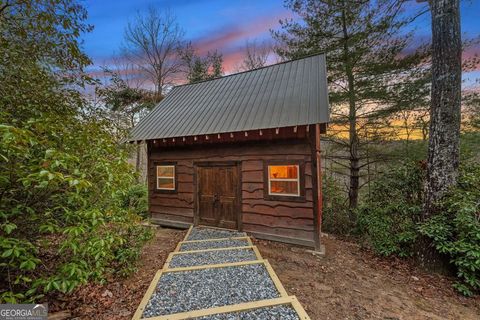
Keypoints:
pixel 165 171
pixel 165 183
pixel 283 172
pixel 284 187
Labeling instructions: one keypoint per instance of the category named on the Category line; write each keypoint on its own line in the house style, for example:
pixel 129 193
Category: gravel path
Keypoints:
pixel 211 257
pixel 207 288
pixel 207 233
pixel 268 313
pixel 189 246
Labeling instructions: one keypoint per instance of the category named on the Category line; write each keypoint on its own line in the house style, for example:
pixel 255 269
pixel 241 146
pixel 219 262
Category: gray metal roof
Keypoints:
pixel 286 94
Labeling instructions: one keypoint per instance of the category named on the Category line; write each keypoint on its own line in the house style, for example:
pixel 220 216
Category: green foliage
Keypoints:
pixel 387 220
pixel 136 200
pixel 62 174
pixel 455 231
pixel 62 205
pixel 336 217
pixel 469 146
pixel 201 68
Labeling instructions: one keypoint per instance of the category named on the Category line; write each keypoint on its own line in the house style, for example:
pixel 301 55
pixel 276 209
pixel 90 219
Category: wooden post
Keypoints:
pixel 316 184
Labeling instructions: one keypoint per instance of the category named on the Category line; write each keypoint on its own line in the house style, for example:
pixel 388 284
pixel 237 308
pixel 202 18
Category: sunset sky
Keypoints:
pixel 223 25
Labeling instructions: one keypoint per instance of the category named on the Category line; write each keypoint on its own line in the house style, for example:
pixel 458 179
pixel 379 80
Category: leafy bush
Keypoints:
pixel 387 220
pixel 62 173
pixel 136 200
pixel 336 218
pixel 61 221
pixel 455 231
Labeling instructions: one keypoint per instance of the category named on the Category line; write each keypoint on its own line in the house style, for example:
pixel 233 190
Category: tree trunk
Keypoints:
pixel 158 93
pixel 352 119
pixel 443 145
pixel 353 141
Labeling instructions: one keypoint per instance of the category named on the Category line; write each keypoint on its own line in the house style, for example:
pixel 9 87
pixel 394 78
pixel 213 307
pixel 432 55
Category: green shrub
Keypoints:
pixel 60 223
pixel 136 200
pixel 455 231
pixel 61 170
pixel 387 220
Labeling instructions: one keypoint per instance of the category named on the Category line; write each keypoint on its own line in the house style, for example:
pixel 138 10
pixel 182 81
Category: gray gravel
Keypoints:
pixel 268 313
pixel 208 288
pixel 207 233
pixel 211 257
pixel 190 246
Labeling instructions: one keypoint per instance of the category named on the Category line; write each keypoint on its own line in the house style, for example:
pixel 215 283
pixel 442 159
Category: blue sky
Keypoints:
pixel 221 24
pixel 216 24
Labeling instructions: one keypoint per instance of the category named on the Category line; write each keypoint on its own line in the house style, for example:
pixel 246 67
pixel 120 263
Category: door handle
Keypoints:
pixel 215 197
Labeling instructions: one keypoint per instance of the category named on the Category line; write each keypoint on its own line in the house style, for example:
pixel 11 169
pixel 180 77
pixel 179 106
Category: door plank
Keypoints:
pixel 218 203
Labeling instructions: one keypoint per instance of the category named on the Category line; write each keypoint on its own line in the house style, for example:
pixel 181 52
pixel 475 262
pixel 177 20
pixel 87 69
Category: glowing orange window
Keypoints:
pixel 166 177
pixel 283 180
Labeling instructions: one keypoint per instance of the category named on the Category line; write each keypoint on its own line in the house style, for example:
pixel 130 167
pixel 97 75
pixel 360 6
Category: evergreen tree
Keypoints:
pixel 201 68
pixel 368 69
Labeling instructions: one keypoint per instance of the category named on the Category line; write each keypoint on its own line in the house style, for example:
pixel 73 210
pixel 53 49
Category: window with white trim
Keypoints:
pixel 284 180
pixel 165 177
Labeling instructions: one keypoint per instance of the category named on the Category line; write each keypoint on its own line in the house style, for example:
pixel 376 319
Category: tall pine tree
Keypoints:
pixel 365 43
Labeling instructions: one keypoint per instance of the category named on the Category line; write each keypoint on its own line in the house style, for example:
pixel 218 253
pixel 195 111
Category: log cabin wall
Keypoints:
pixel 288 221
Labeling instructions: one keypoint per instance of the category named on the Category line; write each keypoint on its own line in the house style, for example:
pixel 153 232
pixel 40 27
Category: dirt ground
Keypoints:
pixel 348 283
pixel 352 283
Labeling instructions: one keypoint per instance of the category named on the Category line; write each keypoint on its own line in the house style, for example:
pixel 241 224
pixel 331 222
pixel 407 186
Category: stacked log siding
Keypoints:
pixel 290 220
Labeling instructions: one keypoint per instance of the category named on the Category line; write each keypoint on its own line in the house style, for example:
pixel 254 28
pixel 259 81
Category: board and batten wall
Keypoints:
pixel 288 221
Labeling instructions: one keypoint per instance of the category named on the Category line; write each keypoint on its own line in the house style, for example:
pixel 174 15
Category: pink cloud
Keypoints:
pixel 228 40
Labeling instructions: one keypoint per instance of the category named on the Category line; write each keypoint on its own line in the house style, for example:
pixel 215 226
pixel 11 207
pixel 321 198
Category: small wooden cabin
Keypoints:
pixel 241 152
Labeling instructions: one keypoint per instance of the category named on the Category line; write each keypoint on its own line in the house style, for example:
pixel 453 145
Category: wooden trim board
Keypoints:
pixel 272 237
pixel 170 223
pixel 292 301
pixel 218 265
pixel 299 309
pixel 172 254
pixel 284 299
pixel 151 289
pixel 147 296
pixel 207 250
pixel 188 233
pixel 275 279
pixel 217 239
pixel 179 245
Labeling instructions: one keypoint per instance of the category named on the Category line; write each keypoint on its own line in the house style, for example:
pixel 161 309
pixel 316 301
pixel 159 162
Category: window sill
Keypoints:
pixel 164 191
pixel 285 198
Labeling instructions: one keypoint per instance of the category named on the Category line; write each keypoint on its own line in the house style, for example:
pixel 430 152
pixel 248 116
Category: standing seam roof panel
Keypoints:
pixel 286 94
pixel 250 104
pixel 231 91
pixel 190 117
pixel 264 100
pixel 282 84
pixel 284 115
pixel 238 113
pixel 220 120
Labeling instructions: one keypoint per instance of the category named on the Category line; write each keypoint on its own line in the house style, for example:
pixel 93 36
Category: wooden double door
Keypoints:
pixel 218 195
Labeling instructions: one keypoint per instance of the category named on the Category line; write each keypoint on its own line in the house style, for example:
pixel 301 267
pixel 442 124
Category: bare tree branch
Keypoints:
pixel 152 43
